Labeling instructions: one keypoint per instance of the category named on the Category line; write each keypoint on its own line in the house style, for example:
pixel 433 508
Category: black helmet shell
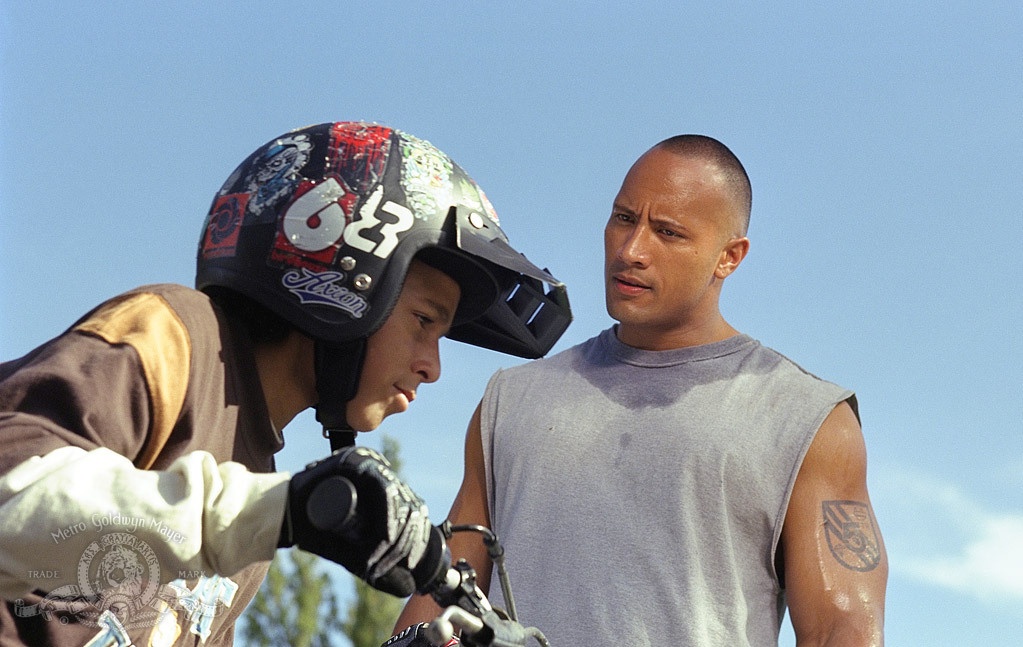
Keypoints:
pixel 320 225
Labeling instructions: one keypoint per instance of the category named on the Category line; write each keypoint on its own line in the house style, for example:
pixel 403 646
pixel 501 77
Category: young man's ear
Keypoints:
pixel 734 251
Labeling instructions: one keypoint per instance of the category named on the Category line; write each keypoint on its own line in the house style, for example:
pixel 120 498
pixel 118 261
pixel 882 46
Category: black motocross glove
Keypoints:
pixel 352 509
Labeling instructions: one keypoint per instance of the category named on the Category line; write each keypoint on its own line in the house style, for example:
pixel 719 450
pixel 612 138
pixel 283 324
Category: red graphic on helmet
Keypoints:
pixel 311 227
pixel 358 154
pixel 221 236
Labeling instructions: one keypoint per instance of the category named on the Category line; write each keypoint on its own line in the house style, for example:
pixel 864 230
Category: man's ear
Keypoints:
pixel 731 255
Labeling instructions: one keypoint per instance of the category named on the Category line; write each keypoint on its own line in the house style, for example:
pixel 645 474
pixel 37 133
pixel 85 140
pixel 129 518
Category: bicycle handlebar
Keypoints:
pixel 468 609
pixel 453 587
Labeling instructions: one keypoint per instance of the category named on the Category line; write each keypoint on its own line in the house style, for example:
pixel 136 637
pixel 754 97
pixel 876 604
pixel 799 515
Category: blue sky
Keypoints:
pixel 883 141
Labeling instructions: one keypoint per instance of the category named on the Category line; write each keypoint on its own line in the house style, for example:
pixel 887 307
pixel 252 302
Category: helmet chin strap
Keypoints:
pixel 338 368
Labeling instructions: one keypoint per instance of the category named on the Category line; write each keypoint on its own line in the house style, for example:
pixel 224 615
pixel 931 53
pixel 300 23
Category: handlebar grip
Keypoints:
pixel 431 572
pixel 331 506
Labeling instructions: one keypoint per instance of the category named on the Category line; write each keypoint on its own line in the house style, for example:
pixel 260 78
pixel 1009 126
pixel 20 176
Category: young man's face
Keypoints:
pixel 670 240
pixel 404 352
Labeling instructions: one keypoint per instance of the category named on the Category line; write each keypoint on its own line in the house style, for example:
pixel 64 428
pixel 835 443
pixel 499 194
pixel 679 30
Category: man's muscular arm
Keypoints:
pixel 469 507
pixel 835 568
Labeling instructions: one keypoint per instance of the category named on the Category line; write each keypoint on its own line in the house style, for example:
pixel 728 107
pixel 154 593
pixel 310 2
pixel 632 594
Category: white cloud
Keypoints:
pixel 989 566
pixel 937 534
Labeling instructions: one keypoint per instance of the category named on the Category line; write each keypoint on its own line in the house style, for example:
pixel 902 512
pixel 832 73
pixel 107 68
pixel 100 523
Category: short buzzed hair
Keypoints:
pixel 713 151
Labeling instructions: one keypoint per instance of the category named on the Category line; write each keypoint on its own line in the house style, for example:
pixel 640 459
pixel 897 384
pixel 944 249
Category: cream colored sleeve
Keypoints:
pixel 58 511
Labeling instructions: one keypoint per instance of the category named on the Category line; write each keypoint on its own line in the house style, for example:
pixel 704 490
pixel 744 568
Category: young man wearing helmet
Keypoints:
pixel 138 497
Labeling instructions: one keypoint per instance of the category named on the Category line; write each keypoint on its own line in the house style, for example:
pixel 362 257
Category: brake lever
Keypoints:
pixel 468 609
pixel 458 588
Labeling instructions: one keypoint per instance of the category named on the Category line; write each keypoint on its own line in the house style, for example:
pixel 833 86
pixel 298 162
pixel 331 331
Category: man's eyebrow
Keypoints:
pixel 617 206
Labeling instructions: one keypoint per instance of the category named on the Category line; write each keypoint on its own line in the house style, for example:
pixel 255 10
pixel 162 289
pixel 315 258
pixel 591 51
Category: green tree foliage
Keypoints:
pixel 371 616
pixel 297 605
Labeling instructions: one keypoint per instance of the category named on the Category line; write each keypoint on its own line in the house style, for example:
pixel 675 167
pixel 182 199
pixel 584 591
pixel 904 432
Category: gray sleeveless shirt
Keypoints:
pixel 640 495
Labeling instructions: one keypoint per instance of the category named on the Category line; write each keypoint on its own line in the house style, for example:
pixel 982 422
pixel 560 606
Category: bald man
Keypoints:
pixel 672 481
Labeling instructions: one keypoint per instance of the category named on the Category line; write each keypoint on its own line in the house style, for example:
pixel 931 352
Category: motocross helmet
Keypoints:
pixel 320 225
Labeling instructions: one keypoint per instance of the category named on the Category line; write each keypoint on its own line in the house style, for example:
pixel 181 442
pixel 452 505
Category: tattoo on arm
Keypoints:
pixel 852 534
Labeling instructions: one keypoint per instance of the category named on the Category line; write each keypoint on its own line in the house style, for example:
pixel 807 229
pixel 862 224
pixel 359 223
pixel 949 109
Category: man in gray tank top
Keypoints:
pixel 671 481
